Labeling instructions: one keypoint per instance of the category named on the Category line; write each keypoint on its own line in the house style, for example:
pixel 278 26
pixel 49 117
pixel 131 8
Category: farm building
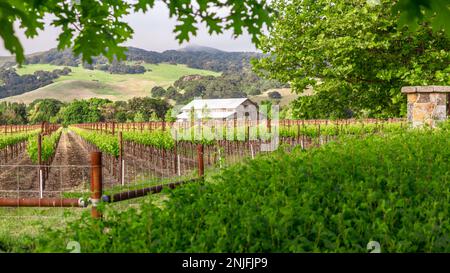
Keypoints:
pixel 219 109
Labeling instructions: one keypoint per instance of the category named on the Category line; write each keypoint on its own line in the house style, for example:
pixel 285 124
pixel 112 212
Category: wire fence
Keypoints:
pixel 140 169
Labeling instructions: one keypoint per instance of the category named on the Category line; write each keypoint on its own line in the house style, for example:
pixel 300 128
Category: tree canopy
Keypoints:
pixel 94 28
pixel 415 12
pixel 353 54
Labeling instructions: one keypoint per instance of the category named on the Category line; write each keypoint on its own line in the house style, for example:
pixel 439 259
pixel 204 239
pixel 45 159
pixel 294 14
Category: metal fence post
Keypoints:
pixel 41 178
pixel 96 183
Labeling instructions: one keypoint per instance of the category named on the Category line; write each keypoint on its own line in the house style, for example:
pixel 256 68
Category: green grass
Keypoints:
pixel 161 73
pixel 83 83
pixel 19 226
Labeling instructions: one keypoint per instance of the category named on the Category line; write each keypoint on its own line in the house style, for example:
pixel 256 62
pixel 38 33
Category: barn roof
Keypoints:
pixel 213 115
pixel 214 103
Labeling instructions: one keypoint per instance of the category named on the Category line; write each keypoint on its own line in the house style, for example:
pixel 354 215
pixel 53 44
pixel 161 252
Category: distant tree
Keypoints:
pixel 88 66
pixel 66 71
pixel 274 95
pixel 79 111
pixel 158 92
pixel 172 92
pixel 139 117
pixel 108 111
pixel 120 116
pixel 98 102
pixel 147 106
pixel 13 113
pixel 43 110
pixel 154 117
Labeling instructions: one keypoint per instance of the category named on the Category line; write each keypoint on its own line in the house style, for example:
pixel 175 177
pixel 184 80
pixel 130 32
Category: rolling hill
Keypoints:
pixel 83 83
pixel 39 78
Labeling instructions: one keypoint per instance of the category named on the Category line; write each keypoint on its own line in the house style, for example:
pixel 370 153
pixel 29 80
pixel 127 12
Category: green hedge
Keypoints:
pixel 49 145
pixel 104 142
pixel 393 189
pixel 11 139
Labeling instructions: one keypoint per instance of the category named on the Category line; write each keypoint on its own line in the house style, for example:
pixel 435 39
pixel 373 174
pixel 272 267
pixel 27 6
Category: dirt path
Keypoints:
pixel 70 167
pixel 19 175
pixel 80 153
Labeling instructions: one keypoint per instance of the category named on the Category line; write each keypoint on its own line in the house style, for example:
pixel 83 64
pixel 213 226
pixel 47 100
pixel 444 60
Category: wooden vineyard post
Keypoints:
pixel 235 129
pixel 96 183
pixel 175 155
pixel 201 166
pixel 113 125
pixel 40 175
pixel 121 161
pixel 319 136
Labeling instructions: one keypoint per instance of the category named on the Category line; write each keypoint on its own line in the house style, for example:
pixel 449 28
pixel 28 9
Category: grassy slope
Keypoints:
pixel 286 99
pixel 83 83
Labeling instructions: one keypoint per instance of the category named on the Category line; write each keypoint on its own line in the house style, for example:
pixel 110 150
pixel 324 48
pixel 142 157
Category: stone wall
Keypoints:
pixel 427 105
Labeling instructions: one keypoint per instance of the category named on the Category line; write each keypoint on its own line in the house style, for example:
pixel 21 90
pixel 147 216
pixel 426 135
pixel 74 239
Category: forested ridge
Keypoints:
pixel 215 60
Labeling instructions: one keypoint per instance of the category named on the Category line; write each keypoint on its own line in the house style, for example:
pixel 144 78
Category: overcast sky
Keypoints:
pixel 152 31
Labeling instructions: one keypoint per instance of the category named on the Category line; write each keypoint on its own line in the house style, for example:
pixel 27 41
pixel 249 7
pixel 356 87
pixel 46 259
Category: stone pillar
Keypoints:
pixel 427 105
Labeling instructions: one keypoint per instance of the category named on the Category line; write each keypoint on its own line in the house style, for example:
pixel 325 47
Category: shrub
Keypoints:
pixel 274 95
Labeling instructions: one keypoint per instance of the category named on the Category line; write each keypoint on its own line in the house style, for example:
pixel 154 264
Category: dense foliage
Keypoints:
pixel 228 85
pixel 11 139
pixel 13 113
pixel 157 138
pixel 42 110
pixel 79 111
pixel 121 68
pixel 106 143
pixel 391 189
pixel 414 12
pixel 158 92
pixel 354 56
pixel 49 144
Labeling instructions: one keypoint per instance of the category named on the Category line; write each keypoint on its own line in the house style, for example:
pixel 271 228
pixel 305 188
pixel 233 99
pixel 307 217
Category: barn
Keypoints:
pixel 219 109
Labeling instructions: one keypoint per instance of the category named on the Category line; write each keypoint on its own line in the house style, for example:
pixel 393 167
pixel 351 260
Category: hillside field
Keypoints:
pixel 84 84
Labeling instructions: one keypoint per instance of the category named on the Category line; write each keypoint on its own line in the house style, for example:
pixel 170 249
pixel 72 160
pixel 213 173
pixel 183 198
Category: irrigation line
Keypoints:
pixel 126 195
